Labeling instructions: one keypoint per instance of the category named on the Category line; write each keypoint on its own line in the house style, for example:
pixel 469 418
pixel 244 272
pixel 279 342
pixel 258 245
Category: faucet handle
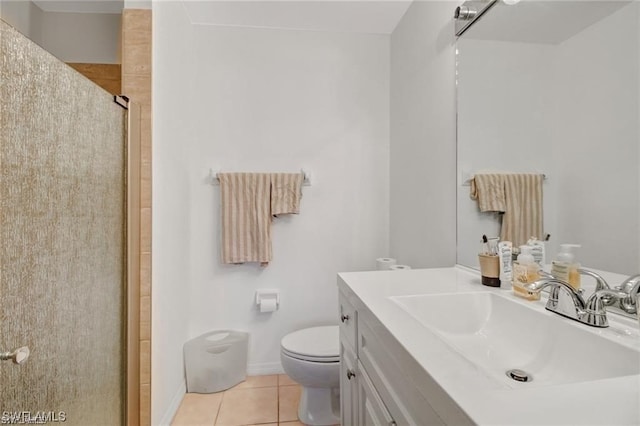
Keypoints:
pixel 595 301
pixel 631 285
pixel 595 312
pixel 601 283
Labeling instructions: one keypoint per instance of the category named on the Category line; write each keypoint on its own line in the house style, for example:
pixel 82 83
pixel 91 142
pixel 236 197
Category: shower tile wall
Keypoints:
pixel 136 84
pixel 62 155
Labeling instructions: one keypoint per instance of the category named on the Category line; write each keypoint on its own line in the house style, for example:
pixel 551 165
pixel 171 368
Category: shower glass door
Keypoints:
pixel 62 221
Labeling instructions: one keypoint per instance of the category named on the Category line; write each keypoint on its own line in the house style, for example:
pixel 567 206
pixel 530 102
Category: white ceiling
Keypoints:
pixel 378 17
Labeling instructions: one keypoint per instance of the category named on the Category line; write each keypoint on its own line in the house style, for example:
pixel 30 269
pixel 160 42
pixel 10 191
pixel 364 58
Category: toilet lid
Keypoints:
pixel 316 343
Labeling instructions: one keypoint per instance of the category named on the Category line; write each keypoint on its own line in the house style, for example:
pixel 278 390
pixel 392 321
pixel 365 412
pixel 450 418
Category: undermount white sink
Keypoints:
pixel 497 334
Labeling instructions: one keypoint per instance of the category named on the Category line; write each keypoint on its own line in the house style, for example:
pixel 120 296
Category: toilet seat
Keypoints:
pixel 311 358
pixel 315 344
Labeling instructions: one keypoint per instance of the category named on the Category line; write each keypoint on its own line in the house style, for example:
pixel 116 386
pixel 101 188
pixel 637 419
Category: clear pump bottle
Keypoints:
pixel 565 267
pixel 525 271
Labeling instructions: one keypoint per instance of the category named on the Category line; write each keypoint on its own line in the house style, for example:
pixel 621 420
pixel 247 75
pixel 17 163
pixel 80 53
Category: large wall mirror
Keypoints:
pixel 553 87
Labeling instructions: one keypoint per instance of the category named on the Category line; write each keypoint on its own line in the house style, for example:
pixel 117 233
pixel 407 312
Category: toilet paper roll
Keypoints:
pixel 399 267
pixel 384 263
pixel 268 305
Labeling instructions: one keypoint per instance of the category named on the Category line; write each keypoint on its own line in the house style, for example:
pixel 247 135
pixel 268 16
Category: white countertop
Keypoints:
pixel 608 402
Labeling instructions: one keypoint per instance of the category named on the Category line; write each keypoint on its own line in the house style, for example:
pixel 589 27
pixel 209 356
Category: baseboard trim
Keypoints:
pixel 172 409
pixel 261 369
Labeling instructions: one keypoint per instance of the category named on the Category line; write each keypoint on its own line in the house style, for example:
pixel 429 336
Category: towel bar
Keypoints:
pixel 213 178
pixel 467 177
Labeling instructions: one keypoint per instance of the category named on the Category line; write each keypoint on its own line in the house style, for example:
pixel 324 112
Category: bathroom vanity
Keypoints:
pixel 434 346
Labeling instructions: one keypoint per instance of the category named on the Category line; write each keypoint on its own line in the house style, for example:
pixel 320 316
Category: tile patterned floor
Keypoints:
pixel 259 400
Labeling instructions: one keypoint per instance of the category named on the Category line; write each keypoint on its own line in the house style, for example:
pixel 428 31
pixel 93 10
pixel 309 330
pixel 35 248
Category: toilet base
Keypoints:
pixel 319 406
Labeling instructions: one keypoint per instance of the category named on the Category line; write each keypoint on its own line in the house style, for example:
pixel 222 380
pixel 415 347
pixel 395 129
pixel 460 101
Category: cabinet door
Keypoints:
pixel 371 409
pixel 348 386
pixel 348 321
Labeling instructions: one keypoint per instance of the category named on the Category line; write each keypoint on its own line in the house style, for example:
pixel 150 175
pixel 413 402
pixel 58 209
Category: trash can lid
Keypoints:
pixel 217 336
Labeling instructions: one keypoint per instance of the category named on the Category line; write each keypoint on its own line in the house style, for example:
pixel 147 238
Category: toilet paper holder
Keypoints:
pixel 267 295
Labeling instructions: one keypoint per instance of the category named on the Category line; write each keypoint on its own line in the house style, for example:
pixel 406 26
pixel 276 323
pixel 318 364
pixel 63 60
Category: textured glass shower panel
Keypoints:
pixel 61 238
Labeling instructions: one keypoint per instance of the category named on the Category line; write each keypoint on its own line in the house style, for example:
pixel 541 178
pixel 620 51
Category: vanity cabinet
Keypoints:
pixel 348 375
pixel 380 383
pixel 423 354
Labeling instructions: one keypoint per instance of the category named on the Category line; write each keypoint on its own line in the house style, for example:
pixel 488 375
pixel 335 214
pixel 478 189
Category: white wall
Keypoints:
pixel 423 140
pixel 172 195
pixel 242 99
pixel 82 37
pixel 24 16
pixel 70 37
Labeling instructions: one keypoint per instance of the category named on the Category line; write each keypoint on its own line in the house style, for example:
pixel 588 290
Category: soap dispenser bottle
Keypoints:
pixel 565 267
pixel 525 271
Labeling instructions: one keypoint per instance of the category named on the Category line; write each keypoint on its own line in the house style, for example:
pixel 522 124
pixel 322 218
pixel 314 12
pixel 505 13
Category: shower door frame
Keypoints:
pixel 132 361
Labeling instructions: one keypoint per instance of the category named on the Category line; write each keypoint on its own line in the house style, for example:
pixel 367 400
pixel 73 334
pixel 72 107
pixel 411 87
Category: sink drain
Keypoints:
pixel 519 375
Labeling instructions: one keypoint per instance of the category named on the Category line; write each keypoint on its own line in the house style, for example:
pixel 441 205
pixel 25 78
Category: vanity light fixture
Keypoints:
pixel 465 13
pixel 468 12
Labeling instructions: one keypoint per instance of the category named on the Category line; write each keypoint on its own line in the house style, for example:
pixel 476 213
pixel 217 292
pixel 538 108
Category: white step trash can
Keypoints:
pixel 216 361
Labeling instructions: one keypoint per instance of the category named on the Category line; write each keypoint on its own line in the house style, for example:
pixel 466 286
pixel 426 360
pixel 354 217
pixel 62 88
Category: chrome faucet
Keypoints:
pixel 590 312
pixel 627 305
pixel 601 284
pixel 631 287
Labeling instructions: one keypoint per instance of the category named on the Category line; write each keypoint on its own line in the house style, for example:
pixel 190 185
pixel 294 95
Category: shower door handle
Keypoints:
pixel 18 356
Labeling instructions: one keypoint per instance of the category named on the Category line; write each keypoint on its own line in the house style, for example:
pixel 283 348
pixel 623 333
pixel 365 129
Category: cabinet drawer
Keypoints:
pixel 348 321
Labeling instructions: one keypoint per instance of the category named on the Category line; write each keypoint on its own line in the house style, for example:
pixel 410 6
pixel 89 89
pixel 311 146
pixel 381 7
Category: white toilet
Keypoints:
pixel 311 357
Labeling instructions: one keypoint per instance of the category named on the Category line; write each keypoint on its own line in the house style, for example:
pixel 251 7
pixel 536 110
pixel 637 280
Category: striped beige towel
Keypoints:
pixel 489 190
pixel 522 218
pixel 286 191
pixel 246 217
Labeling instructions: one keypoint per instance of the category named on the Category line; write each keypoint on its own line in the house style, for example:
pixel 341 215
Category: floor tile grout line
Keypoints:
pixel 224 398
pixel 215 420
